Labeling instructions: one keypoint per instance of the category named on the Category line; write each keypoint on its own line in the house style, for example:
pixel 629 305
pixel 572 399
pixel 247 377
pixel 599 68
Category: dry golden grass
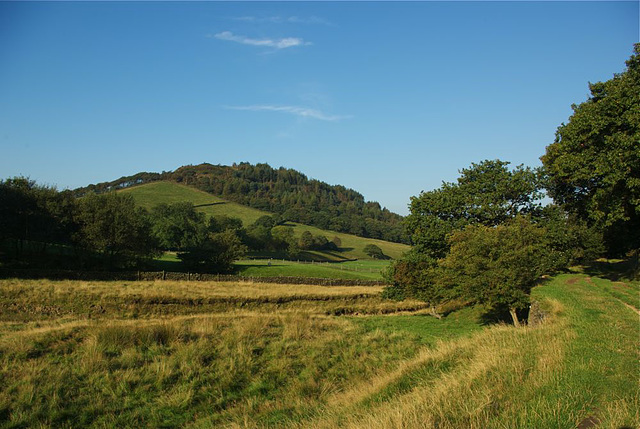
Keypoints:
pixel 481 369
pixel 293 364
pixel 53 303
pixel 503 377
pixel 181 289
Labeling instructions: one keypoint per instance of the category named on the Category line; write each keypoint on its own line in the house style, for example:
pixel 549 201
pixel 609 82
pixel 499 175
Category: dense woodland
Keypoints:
pixel 283 191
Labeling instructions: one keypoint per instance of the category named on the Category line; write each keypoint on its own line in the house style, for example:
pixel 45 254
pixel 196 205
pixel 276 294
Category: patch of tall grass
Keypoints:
pixel 291 363
pixel 580 365
pixel 201 370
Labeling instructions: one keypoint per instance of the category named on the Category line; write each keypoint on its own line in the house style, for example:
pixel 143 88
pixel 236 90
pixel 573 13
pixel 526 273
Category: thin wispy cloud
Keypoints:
pixel 287 42
pixel 309 20
pixel 284 19
pixel 293 110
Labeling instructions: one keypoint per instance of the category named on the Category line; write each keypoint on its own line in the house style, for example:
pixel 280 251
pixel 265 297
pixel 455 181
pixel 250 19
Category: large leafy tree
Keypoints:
pixel 35 213
pixel 594 163
pixel 415 276
pixel 570 240
pixel 215 254
pixel 497 266
pixel 178 226
pixel 112 224
pixel 487 193
pixel 374 251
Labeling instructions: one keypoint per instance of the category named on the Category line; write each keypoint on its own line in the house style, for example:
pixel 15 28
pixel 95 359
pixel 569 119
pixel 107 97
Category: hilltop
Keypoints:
pixel 284 191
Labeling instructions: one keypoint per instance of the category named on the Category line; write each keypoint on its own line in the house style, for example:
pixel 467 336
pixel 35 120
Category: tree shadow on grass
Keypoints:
pixel 209 204
pixel 495 315
pixel 613 270
pixel 174 266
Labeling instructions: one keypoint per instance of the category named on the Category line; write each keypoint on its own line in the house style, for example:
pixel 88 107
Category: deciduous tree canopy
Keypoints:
pixel 111 223
pixel 496 266
pixel 594 163
pixel 487 193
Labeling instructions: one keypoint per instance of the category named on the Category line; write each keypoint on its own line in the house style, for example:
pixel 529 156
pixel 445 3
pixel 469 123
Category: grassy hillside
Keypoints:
pixel 150 194
pixel 170 354
pixel 280 190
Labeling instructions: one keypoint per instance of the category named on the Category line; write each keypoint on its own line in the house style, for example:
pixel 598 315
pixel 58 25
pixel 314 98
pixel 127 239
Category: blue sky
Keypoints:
pixel 386 98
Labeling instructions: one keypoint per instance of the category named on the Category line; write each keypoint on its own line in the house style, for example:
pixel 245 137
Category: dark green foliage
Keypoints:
pixel 472 243
pixel 259 238
pixel 215 254
pixel 265 221
pixel 37 226
pixel 497 266
pixel 30 212
pixel 113 225
pixel 306 240
pixel 413 277
pixel 594 163
pixel 374 251
pixel 222 223
pixel 487 193
pixel 178 226
pixel 309 241
pixel 570 241
pixel 286 192
pixel 42 227
pixel 283 239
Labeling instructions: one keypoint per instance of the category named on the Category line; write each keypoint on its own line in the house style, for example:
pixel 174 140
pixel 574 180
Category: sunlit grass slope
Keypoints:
pixel 150 194
pixel 361 269
pixel 580 366
pixel 201 354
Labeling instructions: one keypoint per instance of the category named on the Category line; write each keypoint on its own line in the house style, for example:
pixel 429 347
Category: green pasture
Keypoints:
pixel 366 270
pixel 273 267
pixel 151 194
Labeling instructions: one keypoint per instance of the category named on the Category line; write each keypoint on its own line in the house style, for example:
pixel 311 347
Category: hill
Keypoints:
pixel 149 194
pixel 286 192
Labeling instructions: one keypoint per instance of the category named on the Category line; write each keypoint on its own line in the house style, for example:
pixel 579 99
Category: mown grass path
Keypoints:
pixel 578 369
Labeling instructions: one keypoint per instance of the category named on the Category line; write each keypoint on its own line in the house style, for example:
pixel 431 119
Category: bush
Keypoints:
pixel 374 251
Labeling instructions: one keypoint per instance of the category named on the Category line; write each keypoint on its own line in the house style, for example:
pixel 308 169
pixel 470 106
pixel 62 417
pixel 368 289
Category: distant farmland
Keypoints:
pixel 151 194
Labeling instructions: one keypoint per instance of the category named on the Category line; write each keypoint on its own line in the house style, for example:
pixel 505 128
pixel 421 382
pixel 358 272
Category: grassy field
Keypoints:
pixel 150 194
pixel 201 355
pixel 361 269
